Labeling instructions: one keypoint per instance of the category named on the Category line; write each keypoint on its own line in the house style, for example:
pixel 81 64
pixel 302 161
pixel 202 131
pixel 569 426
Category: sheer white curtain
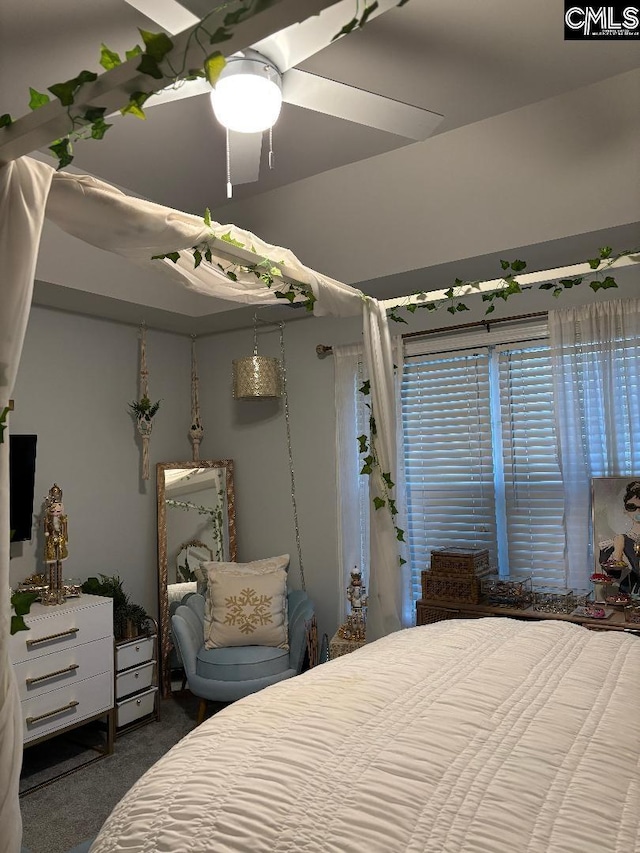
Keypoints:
pixel 105 217
pixel 367 536
pixel 352 487
pixel 23 193
pixel 596 366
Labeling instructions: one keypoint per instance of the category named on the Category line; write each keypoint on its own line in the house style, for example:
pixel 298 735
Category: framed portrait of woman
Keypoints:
pixel 615 506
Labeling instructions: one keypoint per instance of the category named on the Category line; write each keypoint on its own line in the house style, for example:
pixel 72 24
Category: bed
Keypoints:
pixel 468 736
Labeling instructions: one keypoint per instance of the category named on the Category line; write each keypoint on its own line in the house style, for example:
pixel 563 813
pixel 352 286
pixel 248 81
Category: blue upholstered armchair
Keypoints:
pixel 227 674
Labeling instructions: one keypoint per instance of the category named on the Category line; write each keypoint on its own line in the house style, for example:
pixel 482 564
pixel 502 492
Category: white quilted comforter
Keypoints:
pixel 482 736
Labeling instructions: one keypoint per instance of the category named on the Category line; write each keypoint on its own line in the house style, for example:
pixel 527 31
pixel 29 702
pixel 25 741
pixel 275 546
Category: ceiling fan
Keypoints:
pixel 269 66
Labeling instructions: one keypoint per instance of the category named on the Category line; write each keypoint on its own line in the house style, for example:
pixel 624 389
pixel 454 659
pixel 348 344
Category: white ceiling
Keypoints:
pixel 465 59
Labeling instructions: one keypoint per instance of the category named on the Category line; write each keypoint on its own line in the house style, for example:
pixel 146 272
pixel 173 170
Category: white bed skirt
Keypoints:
pixel 470 736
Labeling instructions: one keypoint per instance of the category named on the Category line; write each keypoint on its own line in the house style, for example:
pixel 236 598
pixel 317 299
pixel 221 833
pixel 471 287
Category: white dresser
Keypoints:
pixel 64 667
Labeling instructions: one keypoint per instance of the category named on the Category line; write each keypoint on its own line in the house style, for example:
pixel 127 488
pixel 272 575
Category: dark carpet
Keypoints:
pixel 59 816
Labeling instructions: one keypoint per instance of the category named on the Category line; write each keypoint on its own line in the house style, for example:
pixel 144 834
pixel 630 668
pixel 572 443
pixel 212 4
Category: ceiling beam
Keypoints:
pixel 113 88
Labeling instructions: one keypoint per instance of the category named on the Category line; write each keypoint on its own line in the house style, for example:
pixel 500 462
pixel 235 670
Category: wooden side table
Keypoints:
pixel 338 646
pixel 429 611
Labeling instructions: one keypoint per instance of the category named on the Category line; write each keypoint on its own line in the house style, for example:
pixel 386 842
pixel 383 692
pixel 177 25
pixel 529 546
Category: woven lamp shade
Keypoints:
pixel 256 377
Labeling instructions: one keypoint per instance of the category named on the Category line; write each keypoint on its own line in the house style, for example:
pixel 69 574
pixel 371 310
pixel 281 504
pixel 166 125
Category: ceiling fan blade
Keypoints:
pixel 337 99
pixel 298 42
pixel 245 150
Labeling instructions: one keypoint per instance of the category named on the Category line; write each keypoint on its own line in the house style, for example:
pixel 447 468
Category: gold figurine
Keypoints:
pixel 55 544
pixel 55 527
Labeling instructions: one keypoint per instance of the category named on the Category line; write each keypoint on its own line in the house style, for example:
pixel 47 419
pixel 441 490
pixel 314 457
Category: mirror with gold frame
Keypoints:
pixel 196 524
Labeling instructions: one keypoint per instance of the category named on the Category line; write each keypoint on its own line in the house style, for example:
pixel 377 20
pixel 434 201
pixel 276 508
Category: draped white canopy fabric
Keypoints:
pixel 105 217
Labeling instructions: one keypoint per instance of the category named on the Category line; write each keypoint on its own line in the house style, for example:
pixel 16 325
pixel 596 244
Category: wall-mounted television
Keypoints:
pixel 22 478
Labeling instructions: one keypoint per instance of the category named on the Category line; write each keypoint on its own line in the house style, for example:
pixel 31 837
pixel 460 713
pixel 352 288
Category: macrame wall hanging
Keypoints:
pixel 196 430
pixel 143 409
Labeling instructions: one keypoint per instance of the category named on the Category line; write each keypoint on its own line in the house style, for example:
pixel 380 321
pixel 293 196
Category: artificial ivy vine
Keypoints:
pixel 267 272
pixel 263 269
pixel 157 62
pixel 598 279
pixel 3 422
pixel 367 449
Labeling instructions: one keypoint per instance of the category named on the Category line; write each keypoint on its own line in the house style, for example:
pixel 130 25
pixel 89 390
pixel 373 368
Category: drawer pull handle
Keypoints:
pixel 70 668
pixel 58 636
pixel 137 648
pixel 138 701
pixel 32 720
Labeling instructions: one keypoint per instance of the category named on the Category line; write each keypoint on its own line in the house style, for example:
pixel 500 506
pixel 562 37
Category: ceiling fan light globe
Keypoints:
pixel 246 103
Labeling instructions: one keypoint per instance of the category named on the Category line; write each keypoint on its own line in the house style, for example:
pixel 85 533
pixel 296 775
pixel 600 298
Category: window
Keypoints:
pixel 485 419
pixel 481 458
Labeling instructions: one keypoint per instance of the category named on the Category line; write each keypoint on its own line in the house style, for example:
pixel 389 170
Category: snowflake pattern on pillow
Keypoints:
pixel 249 610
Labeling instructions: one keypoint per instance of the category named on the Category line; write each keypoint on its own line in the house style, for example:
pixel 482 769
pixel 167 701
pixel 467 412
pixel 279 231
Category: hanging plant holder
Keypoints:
pixel 143 409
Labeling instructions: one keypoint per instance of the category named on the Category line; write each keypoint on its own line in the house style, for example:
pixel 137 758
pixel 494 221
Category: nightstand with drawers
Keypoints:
pixel 136 681
pixel 64 668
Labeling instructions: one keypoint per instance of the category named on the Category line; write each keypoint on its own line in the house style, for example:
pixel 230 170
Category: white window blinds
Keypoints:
pixel 534 498
pixel 481 458
pixel 449 466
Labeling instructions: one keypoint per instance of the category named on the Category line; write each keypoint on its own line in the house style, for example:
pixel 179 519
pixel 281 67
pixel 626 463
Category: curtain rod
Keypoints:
pixel 486 323
pixel 322 350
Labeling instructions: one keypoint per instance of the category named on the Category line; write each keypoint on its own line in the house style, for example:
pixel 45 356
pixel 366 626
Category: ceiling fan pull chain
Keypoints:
pixel 271 157
pixel 229 186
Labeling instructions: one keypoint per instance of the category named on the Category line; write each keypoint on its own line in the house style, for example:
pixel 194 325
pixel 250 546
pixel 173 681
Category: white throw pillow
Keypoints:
pixel 246 604
pixel 268 564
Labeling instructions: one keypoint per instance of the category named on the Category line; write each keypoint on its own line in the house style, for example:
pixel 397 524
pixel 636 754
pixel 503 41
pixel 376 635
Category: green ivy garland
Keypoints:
pixel 267 272
pixel 367 449
pixel 21 605
pixel 263 269
pixel 454 304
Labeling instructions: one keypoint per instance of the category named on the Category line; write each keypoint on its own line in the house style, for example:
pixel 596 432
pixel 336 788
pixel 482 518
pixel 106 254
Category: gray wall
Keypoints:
pixel 76 377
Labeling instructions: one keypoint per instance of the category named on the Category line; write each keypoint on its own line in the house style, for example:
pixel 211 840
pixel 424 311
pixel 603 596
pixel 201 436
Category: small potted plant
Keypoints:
pixel 129 620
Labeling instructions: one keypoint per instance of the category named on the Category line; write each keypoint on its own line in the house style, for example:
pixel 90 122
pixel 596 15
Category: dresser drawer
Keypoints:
pixel 135 679
pixel 135 707
pixel 63 626
pixel 58 669
pixel 66 706
pixel 136 652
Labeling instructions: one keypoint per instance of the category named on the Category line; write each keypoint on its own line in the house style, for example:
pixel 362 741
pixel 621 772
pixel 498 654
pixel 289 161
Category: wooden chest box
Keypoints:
pixel 459 561
pixel 457 588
